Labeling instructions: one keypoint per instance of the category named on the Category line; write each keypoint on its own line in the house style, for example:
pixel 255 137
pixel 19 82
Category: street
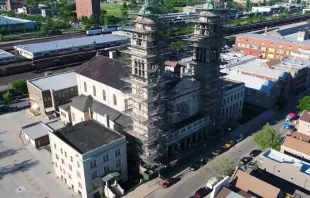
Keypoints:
pixel 191 181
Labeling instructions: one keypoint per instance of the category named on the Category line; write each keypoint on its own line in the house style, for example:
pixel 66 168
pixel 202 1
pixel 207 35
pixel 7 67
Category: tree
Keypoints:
pixel 304 104
pixel 124 10
pixel 268 137
pixel 6 98
pixel 1 37
pixel 84 20
pixel 93 19
pixel 20 86
pixel 44 29
pixel 223 167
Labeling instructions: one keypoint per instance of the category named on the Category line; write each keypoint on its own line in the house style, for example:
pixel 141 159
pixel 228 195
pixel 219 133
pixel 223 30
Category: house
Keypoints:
pixel 304 123
pixel 90 159
pixel 298 146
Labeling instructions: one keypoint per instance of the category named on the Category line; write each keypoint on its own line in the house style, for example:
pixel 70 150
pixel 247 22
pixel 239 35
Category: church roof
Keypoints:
pixel 104 70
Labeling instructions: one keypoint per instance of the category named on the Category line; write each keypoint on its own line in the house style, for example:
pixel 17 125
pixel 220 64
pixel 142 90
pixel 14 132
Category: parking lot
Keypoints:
pixel 25 172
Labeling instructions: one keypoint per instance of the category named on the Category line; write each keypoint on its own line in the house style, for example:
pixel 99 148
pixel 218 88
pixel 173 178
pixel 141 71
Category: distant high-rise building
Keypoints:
pixel 87 8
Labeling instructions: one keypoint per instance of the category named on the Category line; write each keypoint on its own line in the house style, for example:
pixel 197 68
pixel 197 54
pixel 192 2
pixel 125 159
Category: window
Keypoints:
pixel 93 164
pixel 249 92
pixel 78 174
pixel 292 178
pixel 126 104
pixel 64 171
pixel 57 156
pixel 114 100
pixel 278 171
pixel 54 145
pixel 104 96
pixel 78 164
pixel 80 185
pixel 70 167
pixel 73 117
pixel 56 164
pixel 60 168
pixel 94 175
pixel 69 175
pixel 106 169
pixel 105 158
pixel 65 154
pixel 71 158
pixel 85 87
pixel 63 114
pixel 62 161
pixel 118 163
pixel 94 90
pixel 79 192
pixel 61 151
pixel 117 152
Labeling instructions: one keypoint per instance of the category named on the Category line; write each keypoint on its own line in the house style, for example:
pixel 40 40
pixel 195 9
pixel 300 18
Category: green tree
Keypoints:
pixel 84 20
pixel 44 29
pixel 1 37
pixel 93 19
pixel 6 98
pixel 20 86
pixel 304 104
pixel 268 137
pixel 223 167
pixel 124 10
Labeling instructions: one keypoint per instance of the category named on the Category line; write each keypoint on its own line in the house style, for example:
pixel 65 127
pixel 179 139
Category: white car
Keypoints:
pixel 239 138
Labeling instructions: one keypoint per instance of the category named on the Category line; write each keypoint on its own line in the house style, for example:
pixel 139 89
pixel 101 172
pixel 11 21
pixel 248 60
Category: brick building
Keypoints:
pixel 272 47
pixel 87 8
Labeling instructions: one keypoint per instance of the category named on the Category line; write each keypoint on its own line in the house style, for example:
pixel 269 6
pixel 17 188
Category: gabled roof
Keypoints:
pixel 250 184
pixel 104 70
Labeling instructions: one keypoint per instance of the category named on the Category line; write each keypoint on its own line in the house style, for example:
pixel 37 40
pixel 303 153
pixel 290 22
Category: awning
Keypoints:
pixel 49 109
pixel 110 176
pixel 293 115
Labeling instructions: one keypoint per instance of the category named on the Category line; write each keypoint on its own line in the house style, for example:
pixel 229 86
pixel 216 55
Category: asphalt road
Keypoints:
pixel 191 181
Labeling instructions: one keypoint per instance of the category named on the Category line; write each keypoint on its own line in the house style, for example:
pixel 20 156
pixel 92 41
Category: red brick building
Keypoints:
pixel 272 47
pixel 87 8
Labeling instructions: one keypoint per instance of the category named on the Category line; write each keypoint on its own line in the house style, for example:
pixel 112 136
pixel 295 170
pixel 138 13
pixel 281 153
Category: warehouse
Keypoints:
pixel 17 23
pixel 37 50
pixel 6 56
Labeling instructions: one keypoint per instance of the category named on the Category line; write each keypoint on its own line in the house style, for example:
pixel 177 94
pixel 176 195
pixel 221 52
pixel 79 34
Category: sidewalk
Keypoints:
pixel 145 189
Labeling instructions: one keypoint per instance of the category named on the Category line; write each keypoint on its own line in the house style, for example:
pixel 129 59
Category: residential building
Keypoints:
pixel 297 146
pixel 48 92
pixel 298 70
pixel 244 185
pixel 90 159
pixel 291 169
pixel 304 123
pixel 262 85
pixel 87 8
pixel 232 100
pixel 272 47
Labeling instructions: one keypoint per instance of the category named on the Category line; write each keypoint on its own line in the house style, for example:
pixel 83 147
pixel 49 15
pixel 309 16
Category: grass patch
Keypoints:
pixel 179 9
pixel 112 9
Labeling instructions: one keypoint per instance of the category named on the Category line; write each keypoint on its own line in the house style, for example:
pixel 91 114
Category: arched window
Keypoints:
pixel 94 90
pixel 126 104
pixel 85 87
pixel 114 100
pixel 104 96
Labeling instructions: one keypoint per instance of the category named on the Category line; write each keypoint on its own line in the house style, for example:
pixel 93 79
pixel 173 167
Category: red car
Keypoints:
pixel 202 192
pixel 169 182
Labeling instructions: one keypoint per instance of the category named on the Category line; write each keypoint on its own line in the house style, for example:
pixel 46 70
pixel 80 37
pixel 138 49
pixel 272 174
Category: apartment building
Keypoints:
pixel 87 8
pixel 263 85
pixel 232 100
pixel 48 92
pixel 272 47
pixel 289 168
pixel 298 146
pixel 304 123
pixel 90 159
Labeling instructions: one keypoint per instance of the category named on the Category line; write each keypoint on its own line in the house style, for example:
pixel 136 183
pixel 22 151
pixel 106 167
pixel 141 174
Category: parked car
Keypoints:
pixel 202 192
pixel 287 126
pixel 229 144
pixel 239 138
pixel 255 153
pixel 169 182
pixel 195 166
pixel 245 160
pixel 217 152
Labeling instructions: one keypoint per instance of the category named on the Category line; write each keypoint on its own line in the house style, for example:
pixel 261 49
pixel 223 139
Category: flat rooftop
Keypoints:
pixel 252 82
pixel 228 84
pixel 292 38
pixel 258 67
pixel 40 129
pixel 5 54
pixel 55 82
pixel 283 158
pixel 291 63
pixel 69 43
pixel 87 136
